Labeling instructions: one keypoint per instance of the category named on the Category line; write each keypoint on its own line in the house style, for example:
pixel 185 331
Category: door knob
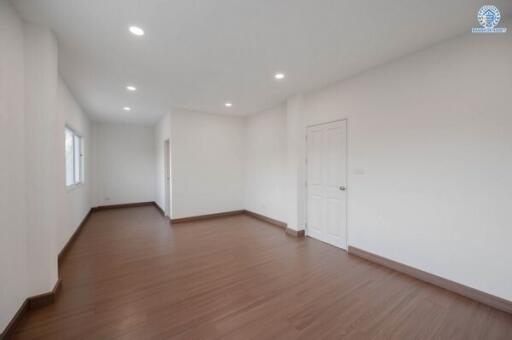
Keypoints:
pixel 342 188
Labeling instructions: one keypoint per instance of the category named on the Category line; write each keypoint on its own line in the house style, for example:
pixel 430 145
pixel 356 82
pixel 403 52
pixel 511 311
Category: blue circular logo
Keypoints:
pixel 489 16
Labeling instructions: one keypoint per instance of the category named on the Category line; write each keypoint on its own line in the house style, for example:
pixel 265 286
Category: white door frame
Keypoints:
pixel 346 172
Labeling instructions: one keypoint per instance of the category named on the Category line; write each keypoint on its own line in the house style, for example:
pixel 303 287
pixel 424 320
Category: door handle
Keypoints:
pixel 342 188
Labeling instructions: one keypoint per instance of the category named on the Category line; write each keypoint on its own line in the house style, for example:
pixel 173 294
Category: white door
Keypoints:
pixel 327 182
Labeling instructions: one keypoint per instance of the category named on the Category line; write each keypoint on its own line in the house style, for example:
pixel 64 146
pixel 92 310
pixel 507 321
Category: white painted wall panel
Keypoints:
pixel 207 163
pixel 124 164
pixel 432 133
pixel 265 163
pixel 13 220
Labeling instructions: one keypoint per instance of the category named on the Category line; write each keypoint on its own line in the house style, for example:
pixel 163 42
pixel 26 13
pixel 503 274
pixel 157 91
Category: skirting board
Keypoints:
pixel 48 298
pixel 13 324
pixel 45 298
pixel 288 231
pixel 30 303
pixel 265 219
pixel 159 209
pixel 452 286
pixel 206 217
pixel 295 233
pixel 73 237
pixel 121 206
pixel 105 207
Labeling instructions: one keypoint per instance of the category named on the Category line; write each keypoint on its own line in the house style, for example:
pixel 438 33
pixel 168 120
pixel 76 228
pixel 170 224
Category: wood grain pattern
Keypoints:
pixel 31 303
pixel 455 287
pixel 13 325
pixel 131 275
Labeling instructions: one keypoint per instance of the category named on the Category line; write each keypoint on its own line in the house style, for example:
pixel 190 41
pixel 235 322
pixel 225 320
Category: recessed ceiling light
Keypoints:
pixel 136 31
pixel 228 104
pixel 131 88
pixel 279 76
pixel 127 108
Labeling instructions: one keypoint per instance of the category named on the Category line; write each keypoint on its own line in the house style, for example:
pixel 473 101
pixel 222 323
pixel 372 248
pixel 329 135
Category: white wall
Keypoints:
pixel 13 224
pixel 295 157
pixel 73 204
pixel 265 163
pixel 162 132
pixel 124 164
pixel 433 134
pixel 37 214
pixel 41 81
pixel 207 163
pixel 433 142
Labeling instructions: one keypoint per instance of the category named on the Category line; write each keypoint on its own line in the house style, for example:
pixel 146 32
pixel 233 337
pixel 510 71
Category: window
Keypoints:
pixel 74 158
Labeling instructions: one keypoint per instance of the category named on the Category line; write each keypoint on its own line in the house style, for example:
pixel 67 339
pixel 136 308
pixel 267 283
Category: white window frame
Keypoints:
pixel 81 161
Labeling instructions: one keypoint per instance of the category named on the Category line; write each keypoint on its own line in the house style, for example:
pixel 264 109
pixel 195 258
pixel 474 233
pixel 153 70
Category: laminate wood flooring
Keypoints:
pixel 130 275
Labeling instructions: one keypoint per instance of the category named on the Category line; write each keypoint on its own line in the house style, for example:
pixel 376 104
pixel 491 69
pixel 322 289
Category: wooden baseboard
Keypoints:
pixel 160 210
pixel 45 299
pixel 265 219
pixel 48 298
pixel 13 324
pixel 452 286
pixel 30 303
pixel 121 206
pixel 288 231
pixel 206 217
pixel 73 237
pixel 295 233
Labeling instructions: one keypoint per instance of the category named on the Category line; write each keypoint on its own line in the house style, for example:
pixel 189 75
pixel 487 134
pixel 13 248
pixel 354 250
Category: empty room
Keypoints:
pixel 255 169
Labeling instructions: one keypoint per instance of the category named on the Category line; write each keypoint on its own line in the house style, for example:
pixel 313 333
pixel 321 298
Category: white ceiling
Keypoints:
pixel 198 54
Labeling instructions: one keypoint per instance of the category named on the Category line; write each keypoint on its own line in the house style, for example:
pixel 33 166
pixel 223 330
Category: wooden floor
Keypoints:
pixel 130 275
